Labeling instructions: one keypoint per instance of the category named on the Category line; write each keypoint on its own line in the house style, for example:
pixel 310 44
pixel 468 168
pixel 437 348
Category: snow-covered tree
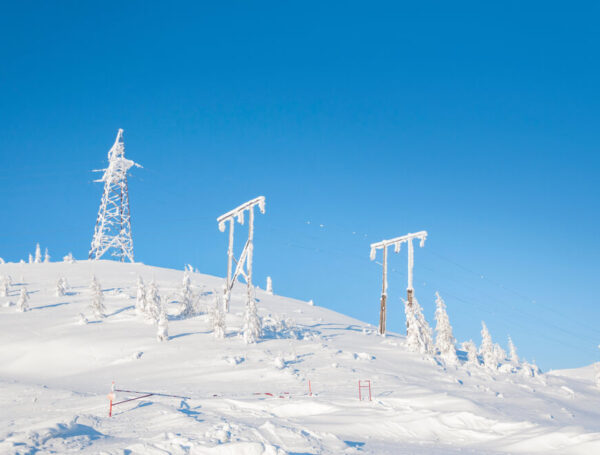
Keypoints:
pixel 140 298
pixel 187 296
pixel 471 351
pixel 162 332
pixel 597 366
pixel 2 261
pixel 61 287
pixel 38 254
pixel 97 304
pixel 30 258
pixel 217 316
pixel 4 287
pixel 252 323
pixel 82 319
pixel 46 256
pixel 153 302
pixel 500 354
pixel 69 258
pixel 269 285
pixel 418 336
pixel 512 352
pixel 486 350
pixel 445 342
pixel 23 302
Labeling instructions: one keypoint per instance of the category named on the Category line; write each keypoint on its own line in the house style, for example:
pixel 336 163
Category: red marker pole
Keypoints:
pixel 111 397
pixel 309 389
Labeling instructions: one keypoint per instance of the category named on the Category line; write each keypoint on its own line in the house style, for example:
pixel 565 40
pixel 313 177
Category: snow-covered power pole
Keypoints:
pixel 113 226
pixel 397 242
pixel 245 259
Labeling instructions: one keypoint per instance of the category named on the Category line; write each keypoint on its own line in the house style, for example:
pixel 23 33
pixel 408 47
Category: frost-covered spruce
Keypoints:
pixel 500 354
pixel 4 287
pixel 162 332
pixel 30 259
pixel 38 254
pixel 23 302
pixel 252 323
pixel 217 316
pixel 187 296
pixel 486 350
pixel 269 285
pixel 445 342
pixel 153 302
pixel 61 288
pixel 82 319
pixel 140 297
pixel 418 336
pixel 69 258
pixel 46 256
pixel 97 304
pixel 471 351
pixel 512 352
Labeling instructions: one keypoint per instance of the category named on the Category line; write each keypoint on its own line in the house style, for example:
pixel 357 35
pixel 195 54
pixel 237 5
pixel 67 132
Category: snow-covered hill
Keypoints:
pixel 55 374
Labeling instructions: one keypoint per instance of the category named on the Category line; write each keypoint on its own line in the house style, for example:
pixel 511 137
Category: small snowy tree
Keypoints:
pixel 486 350
pixel 418 336
pixel 140 298
pixel 252 323
pixel 217 316
pixel 187 296
pixel 499 354
pixel 512 352
pixel 23 302
pixel 97 304
pixel 30 258
pixel 4 287
pixel 153 302
pixel 69 258
pixel 444 341
pixel 162 332
pixel 269 285
pixel 82 319
pixel 471 351
pixel 38 254
pixel 61 287
pixel 46 256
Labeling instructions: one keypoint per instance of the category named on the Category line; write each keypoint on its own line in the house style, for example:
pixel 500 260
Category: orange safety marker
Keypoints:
pixel 112 397
pixel 309 389
pixel 364 386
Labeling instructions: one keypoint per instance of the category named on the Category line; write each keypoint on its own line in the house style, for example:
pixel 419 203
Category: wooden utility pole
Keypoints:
pixel 245 259
pixel 397 242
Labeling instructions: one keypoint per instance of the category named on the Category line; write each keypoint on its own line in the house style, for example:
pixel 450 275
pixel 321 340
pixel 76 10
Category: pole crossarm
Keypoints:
pixel 397 243
pixel 239 211
pixel 244 263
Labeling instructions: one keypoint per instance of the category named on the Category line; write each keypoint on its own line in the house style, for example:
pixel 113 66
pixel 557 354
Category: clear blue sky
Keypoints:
pixel 478 123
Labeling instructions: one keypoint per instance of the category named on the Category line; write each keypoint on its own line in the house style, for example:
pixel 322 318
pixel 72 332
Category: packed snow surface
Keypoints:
pixel 58 360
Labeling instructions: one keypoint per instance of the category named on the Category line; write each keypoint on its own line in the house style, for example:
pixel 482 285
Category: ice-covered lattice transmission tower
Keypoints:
pixel 112 234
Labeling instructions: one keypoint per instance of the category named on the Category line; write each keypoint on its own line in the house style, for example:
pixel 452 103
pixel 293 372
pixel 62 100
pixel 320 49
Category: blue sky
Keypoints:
pixel 358 122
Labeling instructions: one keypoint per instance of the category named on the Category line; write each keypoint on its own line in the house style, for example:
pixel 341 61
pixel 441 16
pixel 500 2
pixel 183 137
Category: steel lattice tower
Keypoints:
pixel 113 226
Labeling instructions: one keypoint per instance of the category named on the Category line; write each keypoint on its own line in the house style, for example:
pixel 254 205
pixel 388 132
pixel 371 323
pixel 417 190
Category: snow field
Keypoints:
pixel 56 372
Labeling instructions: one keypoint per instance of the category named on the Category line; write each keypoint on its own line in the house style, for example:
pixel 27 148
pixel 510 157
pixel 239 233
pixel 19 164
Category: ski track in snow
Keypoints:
pixel 56 373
